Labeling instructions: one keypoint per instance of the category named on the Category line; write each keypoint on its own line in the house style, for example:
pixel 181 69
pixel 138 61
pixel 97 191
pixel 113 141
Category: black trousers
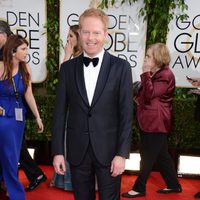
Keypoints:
pixel 154 147
pixel 83 179
pixel 28 165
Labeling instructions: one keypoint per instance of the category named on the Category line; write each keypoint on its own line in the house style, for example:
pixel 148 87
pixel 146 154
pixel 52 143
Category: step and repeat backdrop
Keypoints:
pixel 127 31
pixel 184 45
pixel 28 18
pixel 127 34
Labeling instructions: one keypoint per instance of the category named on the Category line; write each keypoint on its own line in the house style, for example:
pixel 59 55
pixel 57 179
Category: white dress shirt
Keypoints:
pixel 91 74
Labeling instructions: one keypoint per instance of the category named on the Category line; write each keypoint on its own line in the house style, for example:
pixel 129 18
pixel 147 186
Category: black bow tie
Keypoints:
pixel 87 61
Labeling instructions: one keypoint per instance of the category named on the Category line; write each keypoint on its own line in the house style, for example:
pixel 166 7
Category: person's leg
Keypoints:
pixel 34 174
pixel 167 167
pixel 83 179
pixel 28 165
pixel 9 157
pixel 108 186
pixel 2 184
pixel 149 150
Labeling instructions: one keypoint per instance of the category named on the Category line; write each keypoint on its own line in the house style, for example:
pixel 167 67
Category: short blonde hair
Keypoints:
pixel 160 54
pixel 94 12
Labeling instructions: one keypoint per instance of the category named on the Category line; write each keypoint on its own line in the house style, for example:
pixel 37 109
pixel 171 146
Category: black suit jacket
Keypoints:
pixel 106 124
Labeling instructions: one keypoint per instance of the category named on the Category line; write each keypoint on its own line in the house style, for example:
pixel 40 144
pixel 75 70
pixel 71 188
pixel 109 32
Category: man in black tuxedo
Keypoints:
pixel 96 99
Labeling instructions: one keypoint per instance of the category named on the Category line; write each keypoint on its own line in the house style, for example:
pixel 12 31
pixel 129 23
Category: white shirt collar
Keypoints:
pixel 99 55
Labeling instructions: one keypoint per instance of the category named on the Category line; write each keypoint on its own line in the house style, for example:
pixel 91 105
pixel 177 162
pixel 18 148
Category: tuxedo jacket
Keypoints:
pixel 106 124
pixel 154 110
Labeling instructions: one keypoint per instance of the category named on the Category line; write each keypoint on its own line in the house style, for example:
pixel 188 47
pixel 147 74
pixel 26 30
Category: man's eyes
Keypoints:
pixel 93 33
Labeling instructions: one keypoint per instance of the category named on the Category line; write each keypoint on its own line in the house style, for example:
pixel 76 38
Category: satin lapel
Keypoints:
pixel 102 78
pixel 80 79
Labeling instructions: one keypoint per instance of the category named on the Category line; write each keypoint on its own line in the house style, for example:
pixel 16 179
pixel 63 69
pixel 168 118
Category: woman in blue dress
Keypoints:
pixel 15 82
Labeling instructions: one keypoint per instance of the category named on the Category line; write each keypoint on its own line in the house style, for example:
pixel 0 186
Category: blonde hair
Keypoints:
pixel 94 12
pixel 78 48
pixel 160 54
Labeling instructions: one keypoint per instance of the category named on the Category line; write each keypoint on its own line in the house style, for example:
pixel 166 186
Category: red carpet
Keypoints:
pixel 155 182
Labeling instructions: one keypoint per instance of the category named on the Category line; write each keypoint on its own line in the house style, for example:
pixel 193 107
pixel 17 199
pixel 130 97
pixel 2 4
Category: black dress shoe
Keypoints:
pixel 168 190
pixel 127 195
pixel 197 195
pixel 36 182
